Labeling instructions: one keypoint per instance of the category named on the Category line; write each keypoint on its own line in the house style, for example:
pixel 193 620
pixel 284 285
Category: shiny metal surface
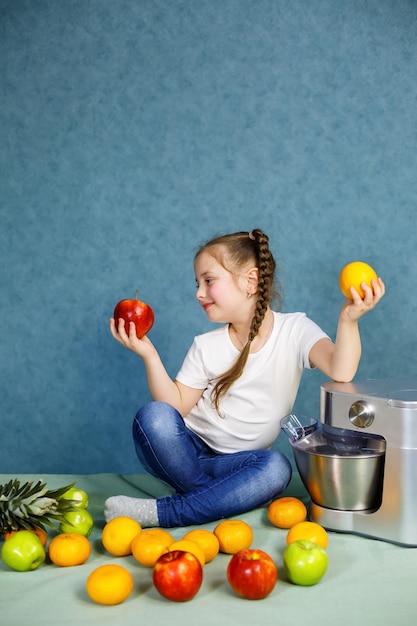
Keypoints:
pixel 348 479
pixel 361 414
pixel 340 469
pixel 393 403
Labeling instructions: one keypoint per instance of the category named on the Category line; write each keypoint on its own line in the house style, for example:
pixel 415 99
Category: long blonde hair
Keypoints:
pixel 234 252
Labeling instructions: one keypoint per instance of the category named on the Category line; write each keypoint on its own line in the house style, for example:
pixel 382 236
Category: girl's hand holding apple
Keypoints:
pixel 131 321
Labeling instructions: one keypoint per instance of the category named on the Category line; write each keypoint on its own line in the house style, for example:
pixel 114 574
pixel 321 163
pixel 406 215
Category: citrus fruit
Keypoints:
pixel 353 275
pixel 207 541
pixel 118 533
pixel 109 584
pixel 186 545
pixel 308 531
pixel 40 532
pixel 233 535
pixel 287 511
pixel 68 549
pixel 148 545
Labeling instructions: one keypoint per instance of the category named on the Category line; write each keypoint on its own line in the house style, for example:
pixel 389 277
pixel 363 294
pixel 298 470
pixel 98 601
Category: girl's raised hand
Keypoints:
pixel 356 307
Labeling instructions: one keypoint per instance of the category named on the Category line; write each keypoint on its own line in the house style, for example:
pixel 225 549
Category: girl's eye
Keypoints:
pixel 207 281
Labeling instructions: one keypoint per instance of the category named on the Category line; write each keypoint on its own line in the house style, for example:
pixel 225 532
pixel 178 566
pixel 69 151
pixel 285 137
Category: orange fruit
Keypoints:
pixel 353 275
pixel 68 549
pixel 118 533
pixel 311 531
pixel 40 532
pixel 207 541
pixel 109 584
pixel 233 535
pixel 148 545
pixel 287 511
pixel 186 545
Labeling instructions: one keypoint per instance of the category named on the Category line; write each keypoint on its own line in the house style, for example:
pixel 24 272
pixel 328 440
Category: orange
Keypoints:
pixel 148 546
pixel 207 541
pixel 109 584
pixel 311 531
pixel 40 532
pixel 353 275
pixel 118 534
pixel 233 535
pixel 286 511
pixel 68 549
pixel 186 545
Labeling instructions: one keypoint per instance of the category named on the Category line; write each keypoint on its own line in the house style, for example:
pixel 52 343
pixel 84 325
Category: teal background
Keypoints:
pixel 132 131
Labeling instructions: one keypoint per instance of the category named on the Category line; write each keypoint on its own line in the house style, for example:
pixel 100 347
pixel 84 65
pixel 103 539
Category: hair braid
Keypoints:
pixel 266 267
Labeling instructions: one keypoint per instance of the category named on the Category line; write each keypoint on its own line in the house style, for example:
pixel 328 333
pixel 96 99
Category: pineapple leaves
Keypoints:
pixel 32 505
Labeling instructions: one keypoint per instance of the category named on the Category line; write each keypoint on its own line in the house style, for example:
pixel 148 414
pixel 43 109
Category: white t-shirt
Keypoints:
pixel 253 407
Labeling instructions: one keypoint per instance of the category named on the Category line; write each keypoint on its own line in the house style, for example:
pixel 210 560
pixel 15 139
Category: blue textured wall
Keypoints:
pixel 132 131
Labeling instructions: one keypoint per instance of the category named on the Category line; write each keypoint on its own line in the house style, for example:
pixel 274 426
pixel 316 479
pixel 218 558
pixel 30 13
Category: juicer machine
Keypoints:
pixel 374 425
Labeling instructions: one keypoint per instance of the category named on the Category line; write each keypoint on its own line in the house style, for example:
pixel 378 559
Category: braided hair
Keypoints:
pixel 233 252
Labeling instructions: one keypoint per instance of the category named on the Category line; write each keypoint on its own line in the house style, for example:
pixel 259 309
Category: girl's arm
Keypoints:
pixel 340 360
pixel 161 386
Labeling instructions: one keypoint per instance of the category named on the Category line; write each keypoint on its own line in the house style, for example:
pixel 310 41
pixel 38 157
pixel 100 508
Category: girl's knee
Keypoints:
pixel 280 469
pixel 156 417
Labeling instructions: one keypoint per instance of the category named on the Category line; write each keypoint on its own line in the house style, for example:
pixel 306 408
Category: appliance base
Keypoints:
pixel 365 523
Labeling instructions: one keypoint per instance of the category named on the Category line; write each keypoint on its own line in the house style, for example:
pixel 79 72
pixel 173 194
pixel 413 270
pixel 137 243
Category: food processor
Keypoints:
pixel 359 462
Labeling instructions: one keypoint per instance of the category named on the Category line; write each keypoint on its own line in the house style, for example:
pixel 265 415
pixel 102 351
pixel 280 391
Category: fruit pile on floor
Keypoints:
pixel 177 565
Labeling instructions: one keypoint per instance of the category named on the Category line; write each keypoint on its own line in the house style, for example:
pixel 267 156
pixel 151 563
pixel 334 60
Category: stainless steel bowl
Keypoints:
pixel 341 469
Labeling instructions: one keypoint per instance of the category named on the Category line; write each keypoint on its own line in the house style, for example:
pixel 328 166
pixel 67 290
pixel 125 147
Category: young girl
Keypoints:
pixel 209 432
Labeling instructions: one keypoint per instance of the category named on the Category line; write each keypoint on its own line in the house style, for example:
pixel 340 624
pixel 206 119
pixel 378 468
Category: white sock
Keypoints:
pixel 143 511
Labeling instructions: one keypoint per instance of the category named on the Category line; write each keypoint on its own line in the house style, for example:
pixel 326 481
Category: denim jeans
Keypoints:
pixel 209 485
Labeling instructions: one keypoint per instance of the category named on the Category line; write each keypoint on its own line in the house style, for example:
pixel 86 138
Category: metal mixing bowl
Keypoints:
pixel 341 469
pixel 346 475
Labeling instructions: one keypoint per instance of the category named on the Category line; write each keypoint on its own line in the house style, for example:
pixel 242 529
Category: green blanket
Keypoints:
pixel 368 581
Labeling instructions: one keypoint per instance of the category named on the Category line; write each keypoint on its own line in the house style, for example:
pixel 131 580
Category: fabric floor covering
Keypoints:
pixel 367 582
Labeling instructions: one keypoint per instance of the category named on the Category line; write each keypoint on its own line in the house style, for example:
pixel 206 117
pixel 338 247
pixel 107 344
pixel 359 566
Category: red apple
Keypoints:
pixel 178 575
pixel 252 574
pixel 135 311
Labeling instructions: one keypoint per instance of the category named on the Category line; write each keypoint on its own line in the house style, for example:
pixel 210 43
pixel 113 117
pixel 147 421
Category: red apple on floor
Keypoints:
pixel 252 574
pixel 178 575
pixel 134 311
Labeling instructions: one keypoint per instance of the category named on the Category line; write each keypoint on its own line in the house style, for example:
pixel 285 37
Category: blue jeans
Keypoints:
pixel 209 485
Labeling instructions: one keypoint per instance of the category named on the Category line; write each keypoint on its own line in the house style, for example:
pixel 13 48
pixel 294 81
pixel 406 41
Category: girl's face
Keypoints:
pixel 221 294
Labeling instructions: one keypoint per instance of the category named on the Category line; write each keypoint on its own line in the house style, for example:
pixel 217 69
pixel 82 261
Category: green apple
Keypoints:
pixel 79 521
pixel 305 562
pixel 78 496
pixel 23 552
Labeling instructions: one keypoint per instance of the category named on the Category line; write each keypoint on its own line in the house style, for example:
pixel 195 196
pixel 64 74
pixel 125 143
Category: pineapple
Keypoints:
pixel 31 505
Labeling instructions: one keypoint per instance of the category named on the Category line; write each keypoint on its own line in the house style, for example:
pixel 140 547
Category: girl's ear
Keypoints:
pixel 252 278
